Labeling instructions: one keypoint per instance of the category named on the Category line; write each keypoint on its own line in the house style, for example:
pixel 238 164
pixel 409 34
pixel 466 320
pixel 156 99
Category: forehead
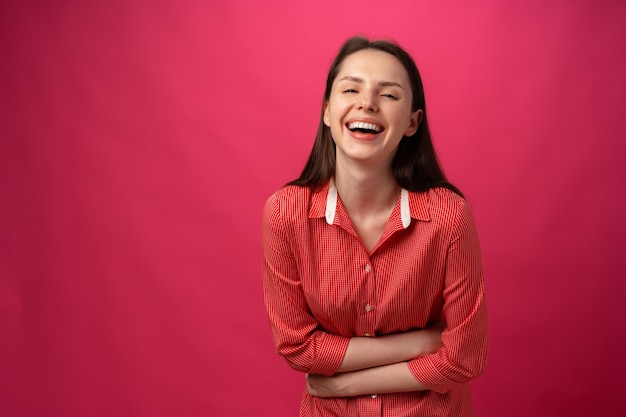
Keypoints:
pixel 373 65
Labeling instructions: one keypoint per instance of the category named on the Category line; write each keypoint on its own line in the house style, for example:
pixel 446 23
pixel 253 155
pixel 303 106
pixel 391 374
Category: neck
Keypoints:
pixel 365 191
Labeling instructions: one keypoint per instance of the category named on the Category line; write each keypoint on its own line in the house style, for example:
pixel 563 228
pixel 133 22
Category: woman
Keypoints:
pixel 372 273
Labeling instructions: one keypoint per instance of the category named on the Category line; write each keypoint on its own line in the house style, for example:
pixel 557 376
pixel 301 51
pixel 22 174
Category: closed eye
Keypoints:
pixel 350 90
pixel 391 96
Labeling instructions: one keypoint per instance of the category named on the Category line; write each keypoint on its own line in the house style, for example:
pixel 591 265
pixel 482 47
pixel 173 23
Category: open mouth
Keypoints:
pixel 364 127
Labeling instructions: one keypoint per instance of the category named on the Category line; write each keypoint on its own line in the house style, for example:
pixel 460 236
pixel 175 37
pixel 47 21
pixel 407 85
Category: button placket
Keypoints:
pixel 367 314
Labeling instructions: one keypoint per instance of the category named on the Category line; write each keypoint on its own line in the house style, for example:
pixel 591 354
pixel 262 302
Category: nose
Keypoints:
pixel 368 101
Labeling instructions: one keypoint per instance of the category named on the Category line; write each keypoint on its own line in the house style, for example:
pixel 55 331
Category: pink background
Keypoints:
pixel 140 139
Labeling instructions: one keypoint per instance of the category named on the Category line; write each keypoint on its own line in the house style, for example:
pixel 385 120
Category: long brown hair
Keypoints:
pixel 415 165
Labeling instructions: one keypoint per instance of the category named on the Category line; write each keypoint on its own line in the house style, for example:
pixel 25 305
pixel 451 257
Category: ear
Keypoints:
pixel 326 115
pixel 414 122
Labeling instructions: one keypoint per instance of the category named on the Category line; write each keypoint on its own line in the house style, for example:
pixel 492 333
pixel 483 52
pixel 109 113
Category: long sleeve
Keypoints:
pixel 297 334
pixel 463 356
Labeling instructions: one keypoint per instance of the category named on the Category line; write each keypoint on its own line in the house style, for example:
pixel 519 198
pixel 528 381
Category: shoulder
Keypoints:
pixel 289 202
pixel 452 212
pixel 289 197
pixel 445 199
pixel 440 205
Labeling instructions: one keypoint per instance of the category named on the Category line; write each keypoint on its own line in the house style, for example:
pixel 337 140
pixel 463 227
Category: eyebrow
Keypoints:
pixel 382 83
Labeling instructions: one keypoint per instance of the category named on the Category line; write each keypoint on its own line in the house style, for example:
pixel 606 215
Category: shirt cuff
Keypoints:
pixel 425 372
pixel 331 351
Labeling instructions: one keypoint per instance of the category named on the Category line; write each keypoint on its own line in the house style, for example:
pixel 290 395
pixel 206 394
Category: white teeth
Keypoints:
pixel 364 125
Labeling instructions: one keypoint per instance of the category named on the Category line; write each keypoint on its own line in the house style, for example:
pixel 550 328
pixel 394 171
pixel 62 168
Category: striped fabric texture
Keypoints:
pixel 322 287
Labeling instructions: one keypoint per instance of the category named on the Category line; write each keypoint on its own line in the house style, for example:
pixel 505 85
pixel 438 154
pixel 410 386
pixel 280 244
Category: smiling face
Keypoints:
pixel 369 108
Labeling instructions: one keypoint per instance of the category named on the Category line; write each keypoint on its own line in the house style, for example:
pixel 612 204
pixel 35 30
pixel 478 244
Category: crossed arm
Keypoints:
pixel 412 361
pixel 377 365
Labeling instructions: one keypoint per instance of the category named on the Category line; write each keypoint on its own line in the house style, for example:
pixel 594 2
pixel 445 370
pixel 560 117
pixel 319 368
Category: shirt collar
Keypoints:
pixel 412 205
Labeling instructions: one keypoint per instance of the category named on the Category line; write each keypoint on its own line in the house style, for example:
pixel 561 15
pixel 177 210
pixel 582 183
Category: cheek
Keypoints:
pixel 335 131
pixel 332 114
pixel 405 118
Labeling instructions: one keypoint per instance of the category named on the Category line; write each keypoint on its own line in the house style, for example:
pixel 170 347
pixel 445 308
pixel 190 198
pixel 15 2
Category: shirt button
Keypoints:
pixel 374 396
pixel 368 268
pixel 368 308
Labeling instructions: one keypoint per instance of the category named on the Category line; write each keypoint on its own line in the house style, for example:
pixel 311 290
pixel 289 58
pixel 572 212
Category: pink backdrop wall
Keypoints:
pixel 139 141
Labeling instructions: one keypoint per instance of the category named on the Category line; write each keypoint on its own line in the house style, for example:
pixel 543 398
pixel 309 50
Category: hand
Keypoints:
pixel 429 339
pixel 326 386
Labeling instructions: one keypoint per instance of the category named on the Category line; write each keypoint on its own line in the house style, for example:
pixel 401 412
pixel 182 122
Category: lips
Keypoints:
pixel 365 126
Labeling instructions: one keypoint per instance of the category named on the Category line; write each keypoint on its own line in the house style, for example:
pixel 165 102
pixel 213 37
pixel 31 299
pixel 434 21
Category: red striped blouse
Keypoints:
pixel 322 287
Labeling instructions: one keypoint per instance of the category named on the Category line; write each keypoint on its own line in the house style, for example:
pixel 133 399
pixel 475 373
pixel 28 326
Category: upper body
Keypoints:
pixel 372 273
pixel 322 288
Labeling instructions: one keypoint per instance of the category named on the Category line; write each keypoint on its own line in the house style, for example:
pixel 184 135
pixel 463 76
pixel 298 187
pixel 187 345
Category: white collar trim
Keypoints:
pixel 405 210
pixel 331 205
pixel 331 202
